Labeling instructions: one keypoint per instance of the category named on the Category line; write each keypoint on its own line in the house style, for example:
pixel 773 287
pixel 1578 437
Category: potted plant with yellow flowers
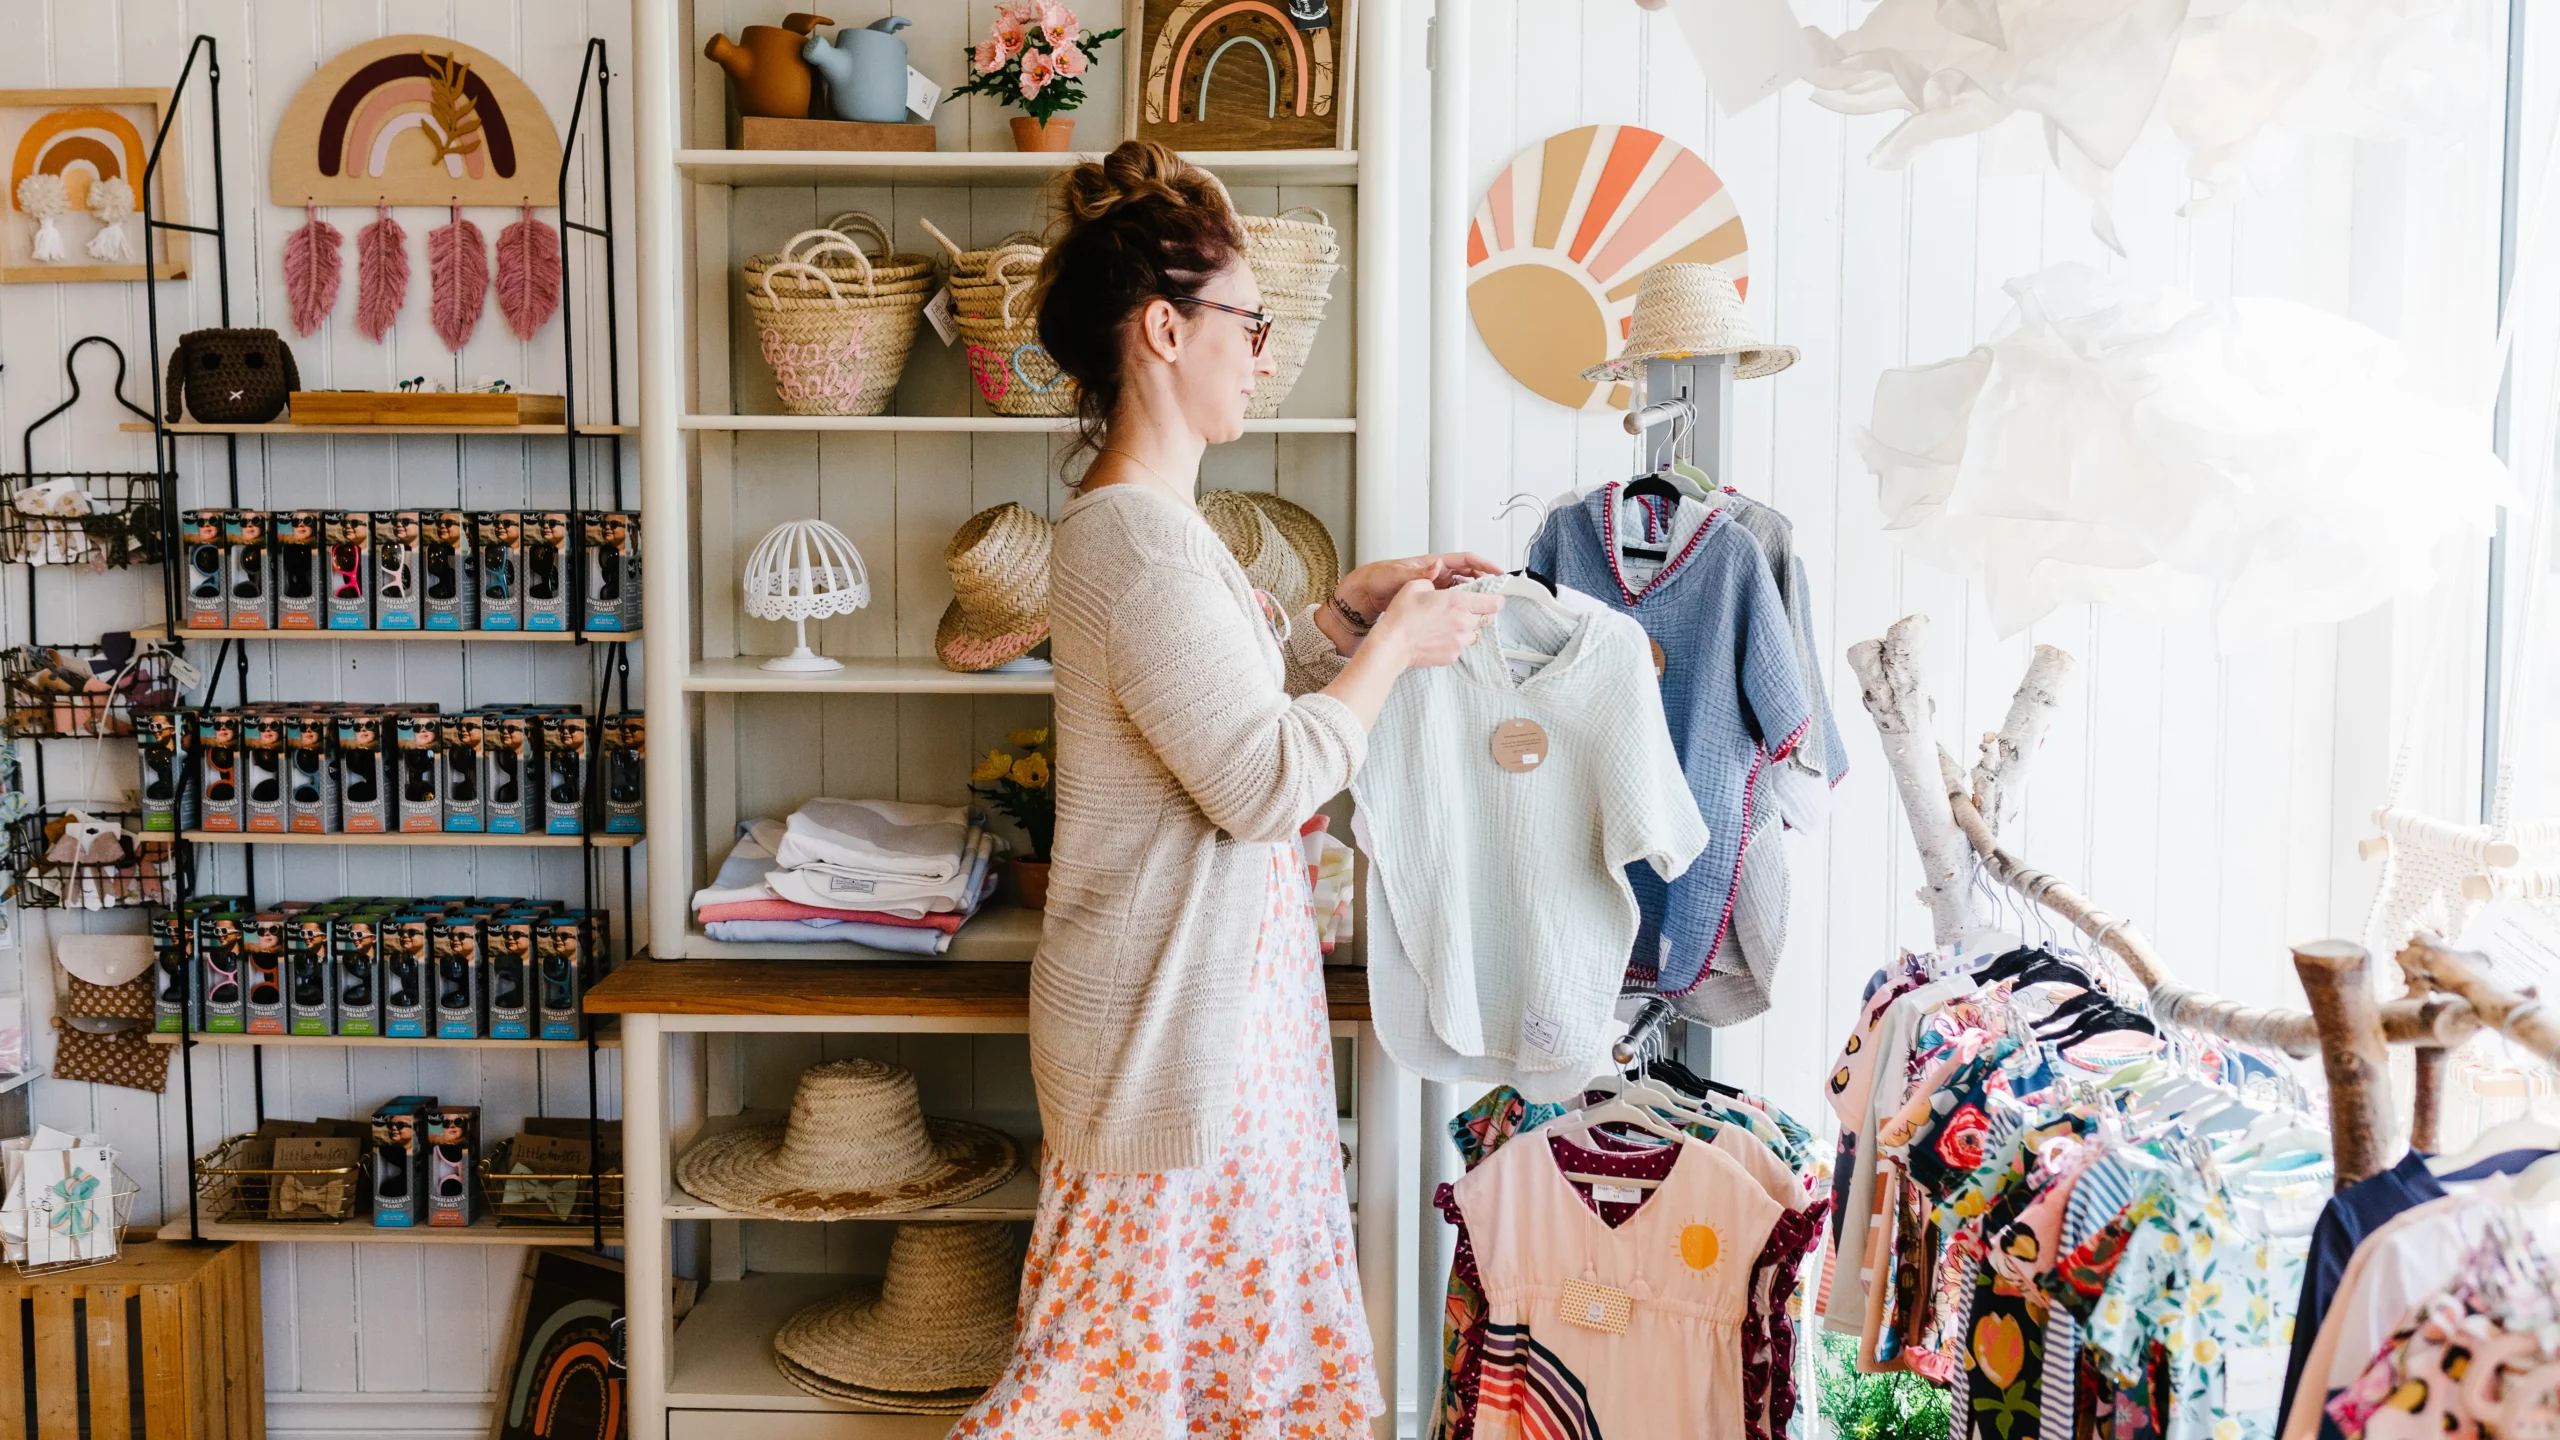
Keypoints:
pixel 1024 787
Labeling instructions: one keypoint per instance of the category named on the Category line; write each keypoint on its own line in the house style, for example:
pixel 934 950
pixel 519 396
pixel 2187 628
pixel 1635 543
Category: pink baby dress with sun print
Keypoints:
pixel 1604 1320
pixel 1223 1302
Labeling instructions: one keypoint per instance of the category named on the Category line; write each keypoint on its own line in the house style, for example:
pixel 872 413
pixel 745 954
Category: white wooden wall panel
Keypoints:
pixel 2213 800
pixel 341 1319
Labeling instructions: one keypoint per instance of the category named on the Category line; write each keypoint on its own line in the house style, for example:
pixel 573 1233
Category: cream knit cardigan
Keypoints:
pixel 1182 760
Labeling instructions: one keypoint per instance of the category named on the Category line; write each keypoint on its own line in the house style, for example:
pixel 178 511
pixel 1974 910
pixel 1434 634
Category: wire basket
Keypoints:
pixel 71 858
pixel 63 691
pixel 537 1198
pixel 107 519
pixel 112 1212
pixel 229 1186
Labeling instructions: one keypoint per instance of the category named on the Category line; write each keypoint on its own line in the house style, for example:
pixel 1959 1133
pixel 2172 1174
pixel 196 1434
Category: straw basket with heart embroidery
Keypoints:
pixel 835 348
pixel 1013 370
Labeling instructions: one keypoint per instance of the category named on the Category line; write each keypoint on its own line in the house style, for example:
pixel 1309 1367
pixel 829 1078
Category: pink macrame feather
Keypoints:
pixel 382 275
pixel 528 274
pixel 457 279
pixel 311 271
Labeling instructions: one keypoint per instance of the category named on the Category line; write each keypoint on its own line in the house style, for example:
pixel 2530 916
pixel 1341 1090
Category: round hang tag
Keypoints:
pixel 1661 662
pixel 1519 746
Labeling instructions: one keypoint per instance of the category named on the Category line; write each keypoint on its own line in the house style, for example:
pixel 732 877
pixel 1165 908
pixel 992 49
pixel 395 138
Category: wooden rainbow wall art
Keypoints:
pixel 1241 74
pixel 1564 234
pixel 86 137
pixel 415 120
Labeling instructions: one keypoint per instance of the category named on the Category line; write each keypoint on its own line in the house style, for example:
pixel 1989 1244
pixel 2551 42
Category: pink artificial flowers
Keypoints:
pixel 1037 70
pixel 1069 61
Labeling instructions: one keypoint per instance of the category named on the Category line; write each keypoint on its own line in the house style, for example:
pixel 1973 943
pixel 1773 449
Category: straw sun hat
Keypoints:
pixel 1687 310
pixel 999 607
pixel 857 1144
pixel 1285 550
pixel 927 1338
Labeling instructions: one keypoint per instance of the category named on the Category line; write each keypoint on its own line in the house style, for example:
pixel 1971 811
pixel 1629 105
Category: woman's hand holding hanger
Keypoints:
pixel 1362 603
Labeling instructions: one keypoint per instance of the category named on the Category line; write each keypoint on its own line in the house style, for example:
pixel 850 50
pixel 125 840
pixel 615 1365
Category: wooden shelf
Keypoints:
pixel 991 167
pixel 361 1231
pixel 282 427
pixel 503 637
pixel 862 675
pixel 982 424
pixel 909 987
pixel 1016 1199
pixel 421 837
pixel 724 1352
pixel 607 1038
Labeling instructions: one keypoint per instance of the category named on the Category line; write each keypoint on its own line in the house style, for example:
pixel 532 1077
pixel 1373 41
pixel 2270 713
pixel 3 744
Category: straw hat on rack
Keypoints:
pixel 999 609
pixel 1285 550
pixel 857 1144
pixel 1689 310
pixel 928 1338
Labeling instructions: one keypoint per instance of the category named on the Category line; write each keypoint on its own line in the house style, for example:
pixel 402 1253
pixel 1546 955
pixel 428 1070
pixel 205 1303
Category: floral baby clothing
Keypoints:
pixel 1219 1302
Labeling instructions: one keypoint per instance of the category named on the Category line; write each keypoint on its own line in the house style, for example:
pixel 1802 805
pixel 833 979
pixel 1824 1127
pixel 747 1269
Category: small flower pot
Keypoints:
pixel 1053 134
pixel 1029 882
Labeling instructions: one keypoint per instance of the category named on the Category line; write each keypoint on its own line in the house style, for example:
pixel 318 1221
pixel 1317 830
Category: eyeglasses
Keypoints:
pixel 1261 329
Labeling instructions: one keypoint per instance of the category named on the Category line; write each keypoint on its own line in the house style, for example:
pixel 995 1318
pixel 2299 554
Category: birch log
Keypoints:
pixel 1890 682
pixel 2521 1018
pixel 2335 975
pixel 2000 776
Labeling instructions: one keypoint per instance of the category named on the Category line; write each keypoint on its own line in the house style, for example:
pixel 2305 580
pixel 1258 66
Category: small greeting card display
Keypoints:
pixel 60 1204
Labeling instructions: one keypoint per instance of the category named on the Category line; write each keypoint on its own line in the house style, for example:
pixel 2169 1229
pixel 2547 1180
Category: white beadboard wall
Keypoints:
pixel 2214 801
pixel 359 1338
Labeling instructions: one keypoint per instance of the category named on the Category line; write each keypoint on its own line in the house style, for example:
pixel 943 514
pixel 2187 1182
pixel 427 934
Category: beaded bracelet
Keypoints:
pixel 1360 623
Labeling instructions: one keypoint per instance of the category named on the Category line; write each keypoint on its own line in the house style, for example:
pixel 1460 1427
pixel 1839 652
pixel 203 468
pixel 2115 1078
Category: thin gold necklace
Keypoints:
pixel 1141 464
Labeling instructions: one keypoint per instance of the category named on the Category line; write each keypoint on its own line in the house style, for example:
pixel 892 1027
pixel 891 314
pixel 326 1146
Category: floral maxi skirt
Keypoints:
pixel 1220 1302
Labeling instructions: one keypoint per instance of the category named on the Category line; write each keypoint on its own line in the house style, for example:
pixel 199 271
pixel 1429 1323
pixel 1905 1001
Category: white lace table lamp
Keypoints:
pixel 805 570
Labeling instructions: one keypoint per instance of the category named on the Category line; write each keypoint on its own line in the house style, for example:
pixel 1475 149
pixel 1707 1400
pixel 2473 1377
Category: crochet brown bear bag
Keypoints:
pixel 231 377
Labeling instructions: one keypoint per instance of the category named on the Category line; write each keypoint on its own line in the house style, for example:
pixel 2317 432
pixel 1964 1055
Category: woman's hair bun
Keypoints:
pixel 1136 172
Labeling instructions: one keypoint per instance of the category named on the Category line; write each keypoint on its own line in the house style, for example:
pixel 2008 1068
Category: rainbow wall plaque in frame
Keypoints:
pixel 415 120
pixel 82 139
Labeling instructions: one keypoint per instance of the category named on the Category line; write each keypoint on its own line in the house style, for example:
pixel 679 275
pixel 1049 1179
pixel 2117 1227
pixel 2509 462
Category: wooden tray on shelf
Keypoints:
pixel 393 407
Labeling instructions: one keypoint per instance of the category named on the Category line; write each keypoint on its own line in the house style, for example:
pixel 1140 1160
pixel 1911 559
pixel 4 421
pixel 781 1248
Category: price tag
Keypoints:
pixel 937 312
pixel 1661 662
pixel 922 93
pixel 1539 1032
pixel 1519 746
pixel 1595 1307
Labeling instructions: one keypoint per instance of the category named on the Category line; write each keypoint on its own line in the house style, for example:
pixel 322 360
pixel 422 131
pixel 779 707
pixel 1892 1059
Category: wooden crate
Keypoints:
pixel 395 407
pixel 187 1313
pixel 762 132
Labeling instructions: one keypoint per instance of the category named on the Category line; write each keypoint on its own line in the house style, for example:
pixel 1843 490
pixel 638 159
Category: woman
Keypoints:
pixel 1191 1270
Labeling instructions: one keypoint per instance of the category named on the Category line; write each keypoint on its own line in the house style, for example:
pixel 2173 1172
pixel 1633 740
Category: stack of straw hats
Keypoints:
pixel 857 1144
pixel 835 322
pixel 999 610
pixel 929 1338
pixel 1294 261
pixel 1285 550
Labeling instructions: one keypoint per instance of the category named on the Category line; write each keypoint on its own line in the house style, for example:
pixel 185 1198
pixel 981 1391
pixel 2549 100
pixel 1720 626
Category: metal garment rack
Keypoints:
pixel 234 652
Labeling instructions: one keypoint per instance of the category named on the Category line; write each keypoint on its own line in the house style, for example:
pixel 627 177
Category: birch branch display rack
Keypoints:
pixel 1956 816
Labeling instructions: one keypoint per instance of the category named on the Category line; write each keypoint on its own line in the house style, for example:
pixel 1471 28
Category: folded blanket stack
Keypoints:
pixel 881 873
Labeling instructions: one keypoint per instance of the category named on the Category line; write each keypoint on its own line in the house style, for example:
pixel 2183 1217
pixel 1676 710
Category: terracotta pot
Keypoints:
pixel 1030 134
pixel 1029 881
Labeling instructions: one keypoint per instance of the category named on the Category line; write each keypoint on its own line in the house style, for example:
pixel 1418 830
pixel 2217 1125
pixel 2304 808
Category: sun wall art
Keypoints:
pixel 1241 74
pixel 74 203
pixel 1565 232
pixel 415 120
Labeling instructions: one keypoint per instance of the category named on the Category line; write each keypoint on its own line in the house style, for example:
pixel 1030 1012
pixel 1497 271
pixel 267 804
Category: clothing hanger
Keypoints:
pixel 1616 1112
pixel 1526 587
pixel 2522 1133
pixel 1681 1077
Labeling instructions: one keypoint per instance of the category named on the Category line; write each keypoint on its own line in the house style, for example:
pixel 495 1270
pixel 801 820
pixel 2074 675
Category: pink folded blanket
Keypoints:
pixel 948 922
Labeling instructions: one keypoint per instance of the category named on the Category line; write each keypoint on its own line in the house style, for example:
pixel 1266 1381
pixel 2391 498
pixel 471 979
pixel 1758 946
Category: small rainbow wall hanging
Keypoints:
pixel 1565 232
pixel 415 120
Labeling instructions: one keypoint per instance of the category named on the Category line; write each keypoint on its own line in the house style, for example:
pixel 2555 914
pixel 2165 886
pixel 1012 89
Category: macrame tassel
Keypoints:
pixel 44 197
pixel 457 278
pixel 382 274
pixel 311 271
pixel 528 274
pixel 112 202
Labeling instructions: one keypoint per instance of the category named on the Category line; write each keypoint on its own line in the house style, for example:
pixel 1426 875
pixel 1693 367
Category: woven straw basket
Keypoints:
pixel 835 349
pixel 1294 262
pixel 889 272
pixel 974 290
pixel 1013 370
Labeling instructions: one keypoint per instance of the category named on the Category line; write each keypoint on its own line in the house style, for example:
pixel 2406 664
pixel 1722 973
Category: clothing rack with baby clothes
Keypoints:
pixel 2123 1254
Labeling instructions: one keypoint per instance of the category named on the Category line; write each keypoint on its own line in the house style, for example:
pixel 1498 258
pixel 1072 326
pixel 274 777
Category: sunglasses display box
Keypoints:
pixel 422 570
pixel 281 767
pixel 453 967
